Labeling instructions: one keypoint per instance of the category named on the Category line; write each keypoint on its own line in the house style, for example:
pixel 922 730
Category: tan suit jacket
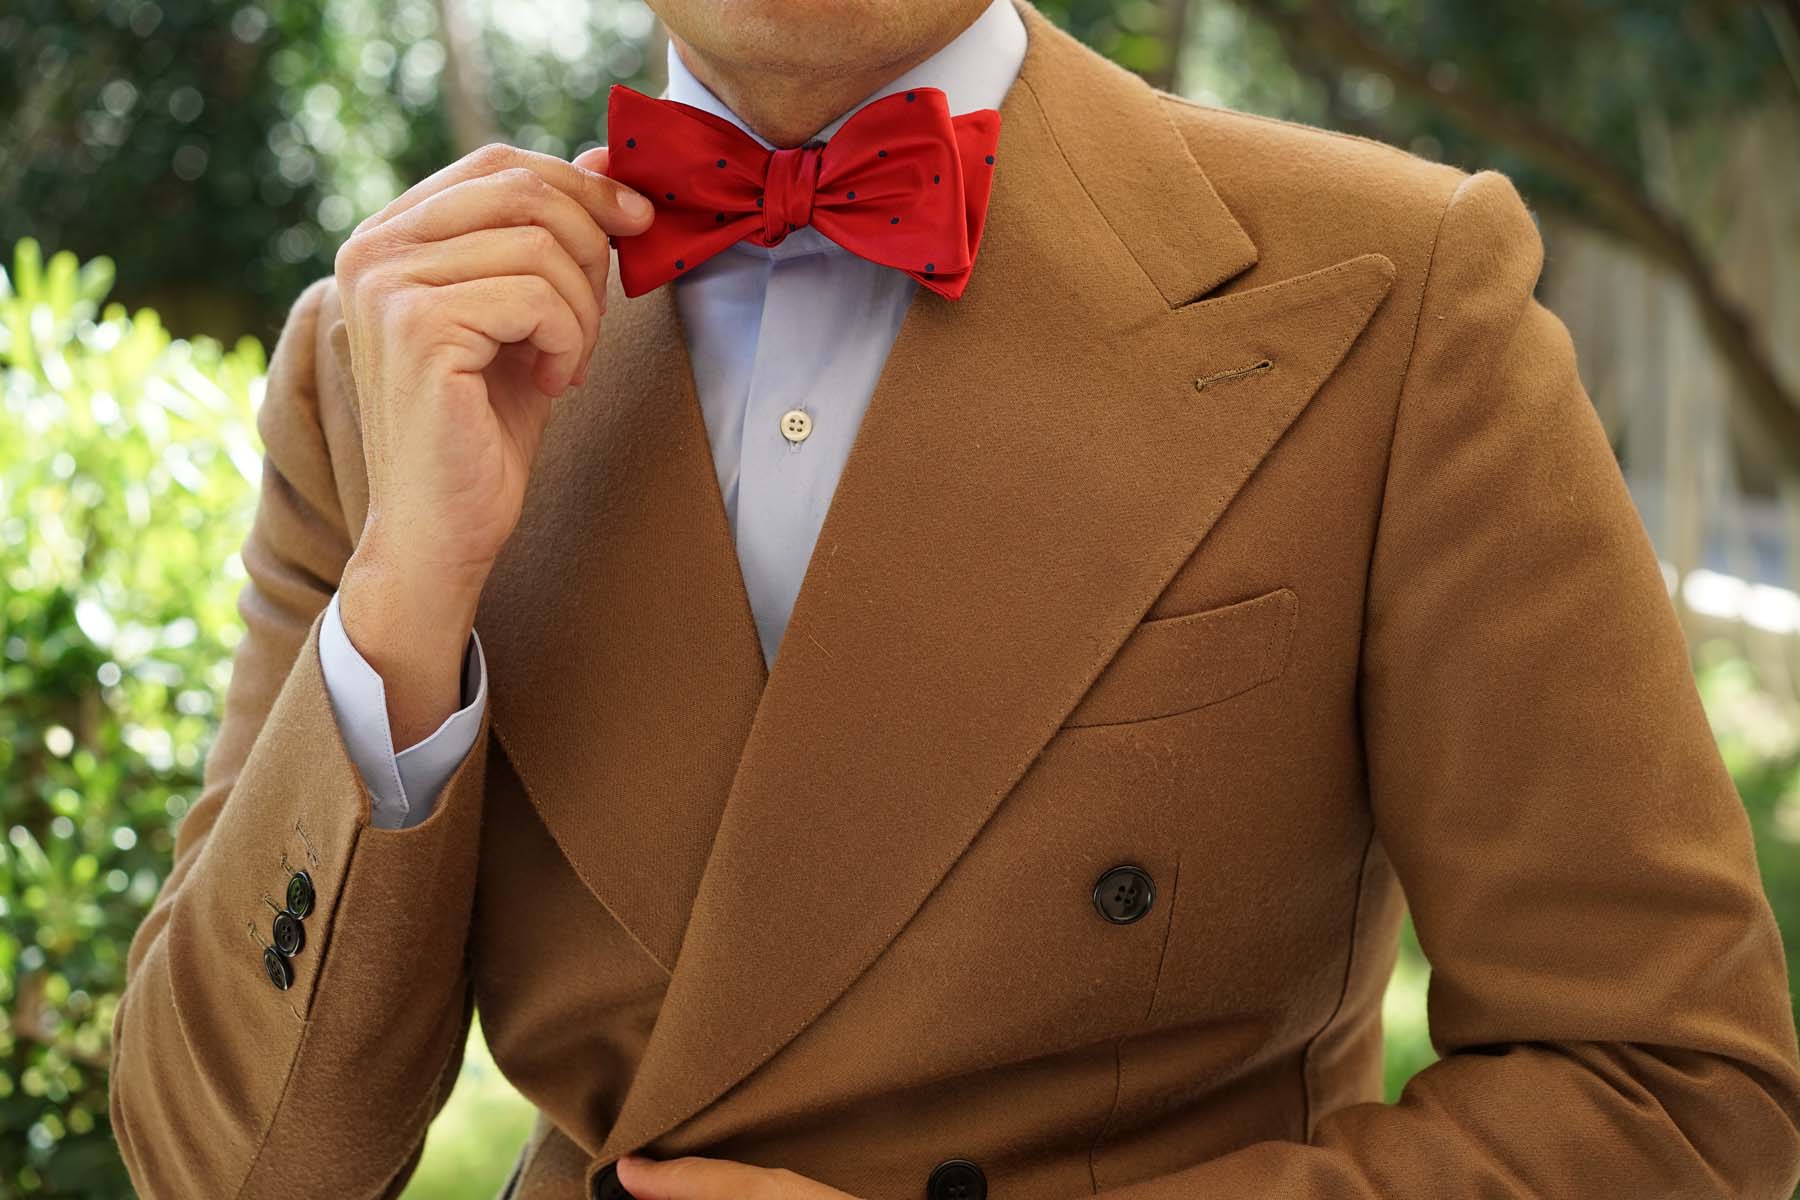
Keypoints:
pixel 1245 523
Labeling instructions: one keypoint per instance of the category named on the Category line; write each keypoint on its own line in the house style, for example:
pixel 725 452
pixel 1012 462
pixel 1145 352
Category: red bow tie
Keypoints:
pixel 901 183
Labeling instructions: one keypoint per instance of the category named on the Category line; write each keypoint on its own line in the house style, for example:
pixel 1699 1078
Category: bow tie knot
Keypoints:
pixel 901 183
pixel 788 190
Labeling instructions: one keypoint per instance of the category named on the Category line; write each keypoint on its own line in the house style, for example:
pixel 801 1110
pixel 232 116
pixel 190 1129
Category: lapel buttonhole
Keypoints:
pixel 1201 383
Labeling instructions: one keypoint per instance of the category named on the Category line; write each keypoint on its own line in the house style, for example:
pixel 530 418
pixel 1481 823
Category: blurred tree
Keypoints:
pixel 1759 737
pixel 214 147
pixel 545 68
pixel 467 81
pixel 221 149
pixel 1146 36
pixel 127 469
pixel 1582 102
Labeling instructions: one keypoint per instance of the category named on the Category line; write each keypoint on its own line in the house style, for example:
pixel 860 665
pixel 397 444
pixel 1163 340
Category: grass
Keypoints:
pixel 475 1139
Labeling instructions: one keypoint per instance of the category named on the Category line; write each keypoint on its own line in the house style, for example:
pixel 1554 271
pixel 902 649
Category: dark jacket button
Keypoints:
pixel 289 937
pixel 300 894
pixel 956 1179
pixel 277 968
pixel 1124 894
pixel 607 1185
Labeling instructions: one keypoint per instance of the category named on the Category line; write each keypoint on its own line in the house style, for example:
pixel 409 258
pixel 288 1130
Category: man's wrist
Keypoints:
pixel 413 628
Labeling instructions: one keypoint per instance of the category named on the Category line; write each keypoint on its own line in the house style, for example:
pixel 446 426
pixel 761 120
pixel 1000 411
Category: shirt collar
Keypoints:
pixel 974 70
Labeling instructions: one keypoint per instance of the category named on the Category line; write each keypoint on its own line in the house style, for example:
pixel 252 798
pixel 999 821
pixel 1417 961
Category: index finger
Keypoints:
pixel 614 207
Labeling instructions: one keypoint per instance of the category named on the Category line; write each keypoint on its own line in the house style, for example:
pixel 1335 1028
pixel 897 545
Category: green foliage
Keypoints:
pixel 162 133
pixel 222 149
pixel 1617 78
pixel 1602 71
pixel 127 461
pixel 1759 738
pixel 1133 33
pixel 1405 1031
pixel 549 68
pixel 475 1140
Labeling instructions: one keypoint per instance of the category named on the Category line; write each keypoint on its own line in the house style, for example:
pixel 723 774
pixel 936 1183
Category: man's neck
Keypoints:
pixel 788 109
pixel 975 66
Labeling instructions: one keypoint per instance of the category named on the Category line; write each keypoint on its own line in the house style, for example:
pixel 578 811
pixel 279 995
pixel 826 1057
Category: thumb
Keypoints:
pixel 692 1177
pixel 593 159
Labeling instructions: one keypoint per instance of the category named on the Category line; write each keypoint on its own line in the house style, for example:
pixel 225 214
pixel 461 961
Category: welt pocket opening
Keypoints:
pixel 1171 665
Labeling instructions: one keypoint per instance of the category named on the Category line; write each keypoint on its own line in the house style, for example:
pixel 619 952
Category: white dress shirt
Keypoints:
pixel 802 325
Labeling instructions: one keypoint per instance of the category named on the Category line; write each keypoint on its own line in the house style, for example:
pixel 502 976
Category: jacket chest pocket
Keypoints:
pixel 1171 665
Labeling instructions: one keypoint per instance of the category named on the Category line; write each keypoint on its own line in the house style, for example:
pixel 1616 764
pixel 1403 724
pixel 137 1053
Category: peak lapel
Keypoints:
pixel 1007 514
pixel 623 658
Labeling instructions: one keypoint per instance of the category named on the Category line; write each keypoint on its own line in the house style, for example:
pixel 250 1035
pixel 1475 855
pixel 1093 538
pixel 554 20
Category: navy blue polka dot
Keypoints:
pixel 849 195
pixel 759 201
pixel 680 263
pixel 929 275
pixel 990 160
pixel 631 141
pixel 909 97
pixel 930 267
pixel 881 154
pixel 937 178
pixel 893 220
pixel 718 218
pixel 720 163
pixel 668 195
pixel 791 225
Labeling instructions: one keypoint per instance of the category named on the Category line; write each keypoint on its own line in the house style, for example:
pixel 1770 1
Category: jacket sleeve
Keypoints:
pixel 223 1083
pixel 1608 996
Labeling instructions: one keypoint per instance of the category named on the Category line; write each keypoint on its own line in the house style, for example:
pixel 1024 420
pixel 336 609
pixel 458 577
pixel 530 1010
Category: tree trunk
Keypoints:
pixel 472 122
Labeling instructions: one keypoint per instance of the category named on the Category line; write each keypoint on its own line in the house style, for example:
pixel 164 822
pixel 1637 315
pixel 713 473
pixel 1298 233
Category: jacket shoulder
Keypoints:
pixel 1309 196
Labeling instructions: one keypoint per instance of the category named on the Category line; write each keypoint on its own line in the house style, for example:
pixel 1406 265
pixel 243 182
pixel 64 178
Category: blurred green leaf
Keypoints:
pixel 113 435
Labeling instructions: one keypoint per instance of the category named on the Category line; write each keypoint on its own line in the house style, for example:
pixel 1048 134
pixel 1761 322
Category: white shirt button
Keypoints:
pixel 795 425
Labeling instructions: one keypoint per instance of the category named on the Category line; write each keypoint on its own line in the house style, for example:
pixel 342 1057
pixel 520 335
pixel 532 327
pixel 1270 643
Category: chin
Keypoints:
pixel 825 36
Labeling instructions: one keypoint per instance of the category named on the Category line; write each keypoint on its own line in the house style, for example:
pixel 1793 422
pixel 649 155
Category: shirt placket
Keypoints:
pixel 790 453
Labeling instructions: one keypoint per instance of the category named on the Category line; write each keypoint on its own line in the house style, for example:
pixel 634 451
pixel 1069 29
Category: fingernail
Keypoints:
pixel 633 205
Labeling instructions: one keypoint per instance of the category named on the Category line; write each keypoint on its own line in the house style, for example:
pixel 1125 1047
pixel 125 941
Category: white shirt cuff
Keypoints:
pixel 403 787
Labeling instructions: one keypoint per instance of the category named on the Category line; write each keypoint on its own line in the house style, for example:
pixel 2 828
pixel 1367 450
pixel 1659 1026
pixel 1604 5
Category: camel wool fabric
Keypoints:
pixel 1246 523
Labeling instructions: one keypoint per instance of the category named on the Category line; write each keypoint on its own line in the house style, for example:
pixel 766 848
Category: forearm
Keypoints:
pixel 1574 1119
pixel 225 1084
pixel 413 629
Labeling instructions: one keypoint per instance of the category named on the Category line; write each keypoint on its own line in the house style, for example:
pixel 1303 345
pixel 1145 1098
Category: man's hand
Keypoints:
pixel 694 1178
pixel 470 301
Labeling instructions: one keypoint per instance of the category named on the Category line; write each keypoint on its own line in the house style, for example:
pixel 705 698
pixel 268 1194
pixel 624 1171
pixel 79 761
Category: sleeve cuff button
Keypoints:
pixel 289 937
pixel 299 893
pixel 280 974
